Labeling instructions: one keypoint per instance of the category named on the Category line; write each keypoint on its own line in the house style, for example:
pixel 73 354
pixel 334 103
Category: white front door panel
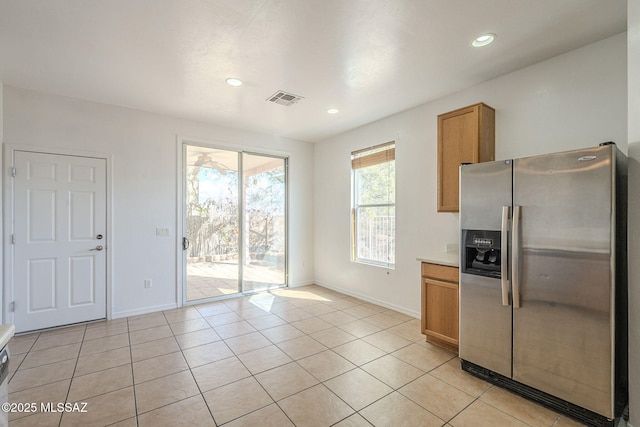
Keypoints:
pixel 60 240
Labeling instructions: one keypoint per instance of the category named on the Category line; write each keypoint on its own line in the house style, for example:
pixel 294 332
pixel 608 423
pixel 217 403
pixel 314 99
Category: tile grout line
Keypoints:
pixel 133 378
pixel 294 361
pixel 331 349
pixel 72 374
pixel 238 311
pixel 22 361
pixel 253 376
pixel 190 369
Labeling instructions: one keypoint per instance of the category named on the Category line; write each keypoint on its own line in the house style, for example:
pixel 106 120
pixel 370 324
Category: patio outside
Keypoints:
pixel 207 279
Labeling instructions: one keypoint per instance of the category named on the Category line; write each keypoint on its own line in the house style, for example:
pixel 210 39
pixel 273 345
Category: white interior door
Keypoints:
pixel 60 240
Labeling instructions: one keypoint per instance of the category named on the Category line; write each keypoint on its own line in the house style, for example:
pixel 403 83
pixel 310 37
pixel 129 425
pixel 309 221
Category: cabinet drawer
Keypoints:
pixel 440 272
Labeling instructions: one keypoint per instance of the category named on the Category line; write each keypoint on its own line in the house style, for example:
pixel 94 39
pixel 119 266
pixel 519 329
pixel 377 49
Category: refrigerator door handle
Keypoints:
pixel 515 257
pixel 504 260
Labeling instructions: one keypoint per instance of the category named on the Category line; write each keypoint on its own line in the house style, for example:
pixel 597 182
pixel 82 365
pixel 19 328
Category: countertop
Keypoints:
pixel 6 333
pixel 451 259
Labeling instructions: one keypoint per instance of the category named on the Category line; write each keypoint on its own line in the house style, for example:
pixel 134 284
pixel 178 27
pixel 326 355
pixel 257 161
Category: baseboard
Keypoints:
pixel 367 298
pixel 153 309
pixel 145 310
pixel 299 284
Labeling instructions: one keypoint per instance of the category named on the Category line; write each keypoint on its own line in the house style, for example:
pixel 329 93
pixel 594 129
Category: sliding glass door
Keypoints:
pixel 234 222
pixel 264 222
pixel 212 216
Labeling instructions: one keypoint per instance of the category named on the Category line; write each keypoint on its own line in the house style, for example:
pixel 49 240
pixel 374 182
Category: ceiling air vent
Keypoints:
pixel 284 98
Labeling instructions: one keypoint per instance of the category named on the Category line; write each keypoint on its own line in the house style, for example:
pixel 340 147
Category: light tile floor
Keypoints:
pixel 295 357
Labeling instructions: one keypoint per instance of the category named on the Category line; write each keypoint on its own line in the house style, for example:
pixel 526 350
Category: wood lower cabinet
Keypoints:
pixel 440 305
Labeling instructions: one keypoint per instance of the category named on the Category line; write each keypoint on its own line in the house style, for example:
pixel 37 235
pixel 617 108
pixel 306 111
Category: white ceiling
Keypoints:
pixel 368 58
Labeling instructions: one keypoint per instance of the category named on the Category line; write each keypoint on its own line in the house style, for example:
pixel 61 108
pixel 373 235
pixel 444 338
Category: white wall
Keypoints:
pixel 575 100
pixel 143 148
pixel 633 75
pixel 1 205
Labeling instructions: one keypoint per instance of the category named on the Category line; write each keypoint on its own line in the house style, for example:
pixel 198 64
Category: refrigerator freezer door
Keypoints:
pixel 485 323
pixel 484 189
pixel 563 330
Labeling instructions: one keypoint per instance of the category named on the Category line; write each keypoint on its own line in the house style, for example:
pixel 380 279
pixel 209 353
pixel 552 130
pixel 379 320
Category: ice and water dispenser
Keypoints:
pixel 481 253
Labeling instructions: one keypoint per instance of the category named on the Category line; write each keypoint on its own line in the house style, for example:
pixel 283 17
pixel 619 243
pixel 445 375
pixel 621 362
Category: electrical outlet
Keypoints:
pixel 147 283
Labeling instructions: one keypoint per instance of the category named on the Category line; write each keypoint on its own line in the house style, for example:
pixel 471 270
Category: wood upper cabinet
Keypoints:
pixel 440 305
pixel 466 135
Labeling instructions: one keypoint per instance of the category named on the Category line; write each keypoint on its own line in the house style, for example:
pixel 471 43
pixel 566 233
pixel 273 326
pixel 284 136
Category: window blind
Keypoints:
pixel 373 155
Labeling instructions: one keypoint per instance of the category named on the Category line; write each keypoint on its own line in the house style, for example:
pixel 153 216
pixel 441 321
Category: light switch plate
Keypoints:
pixel 162 231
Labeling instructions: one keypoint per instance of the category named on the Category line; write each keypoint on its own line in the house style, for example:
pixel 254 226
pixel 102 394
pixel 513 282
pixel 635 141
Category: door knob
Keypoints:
pixel 97 248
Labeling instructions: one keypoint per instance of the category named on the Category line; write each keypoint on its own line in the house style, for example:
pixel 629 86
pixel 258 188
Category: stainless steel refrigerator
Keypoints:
pixel 543 279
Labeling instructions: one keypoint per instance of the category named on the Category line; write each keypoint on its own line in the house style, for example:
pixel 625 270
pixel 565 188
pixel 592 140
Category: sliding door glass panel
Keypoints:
pixel 212 223
pixel 264 221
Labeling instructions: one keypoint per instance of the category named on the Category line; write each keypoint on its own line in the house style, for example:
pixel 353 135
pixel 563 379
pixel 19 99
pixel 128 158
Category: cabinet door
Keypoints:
pixel 441 310
pixel 457 143
pixel 466 135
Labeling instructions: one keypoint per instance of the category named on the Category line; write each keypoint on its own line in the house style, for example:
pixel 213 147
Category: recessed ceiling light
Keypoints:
pixel 333 111
pixel 234 82
pixel 483 40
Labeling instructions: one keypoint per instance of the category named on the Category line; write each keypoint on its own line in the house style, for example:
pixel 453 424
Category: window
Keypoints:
pixel 373 214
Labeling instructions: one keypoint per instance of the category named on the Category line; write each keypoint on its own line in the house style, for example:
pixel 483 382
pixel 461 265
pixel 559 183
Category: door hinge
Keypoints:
pixel 13 172
pixel 13 239
pixel 12 306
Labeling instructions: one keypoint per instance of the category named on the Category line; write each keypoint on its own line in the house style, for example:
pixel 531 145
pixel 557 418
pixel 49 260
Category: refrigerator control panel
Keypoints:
pixel 482 241
pixel 481 254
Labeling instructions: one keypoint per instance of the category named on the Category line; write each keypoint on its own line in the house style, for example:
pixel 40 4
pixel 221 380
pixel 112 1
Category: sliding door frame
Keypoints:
pixel 181 223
